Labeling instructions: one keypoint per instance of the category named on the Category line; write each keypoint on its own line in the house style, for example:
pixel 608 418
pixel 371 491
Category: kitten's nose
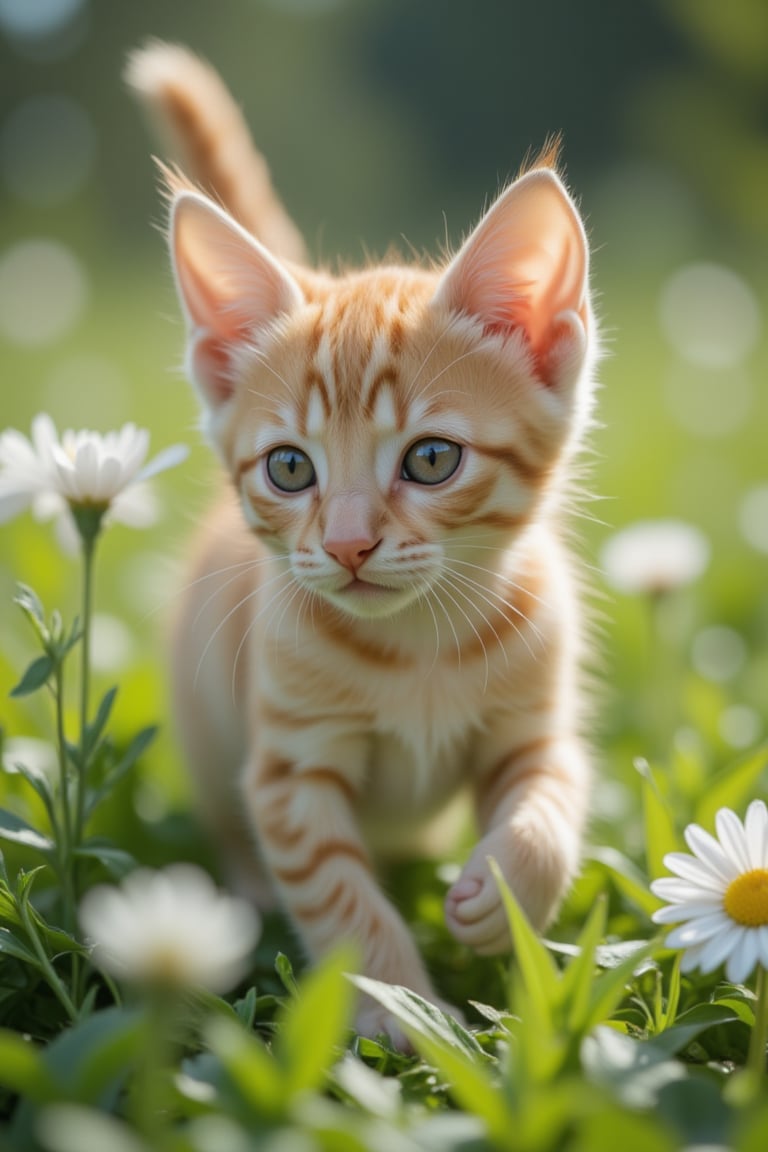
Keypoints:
pixel 349 536
pixel 351 553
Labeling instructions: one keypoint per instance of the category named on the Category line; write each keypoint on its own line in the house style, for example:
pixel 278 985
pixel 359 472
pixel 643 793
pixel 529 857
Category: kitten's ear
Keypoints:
pixel 230 287
pixel 525 267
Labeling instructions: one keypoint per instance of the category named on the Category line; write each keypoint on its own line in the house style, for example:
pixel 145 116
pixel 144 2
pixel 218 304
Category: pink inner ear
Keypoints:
pixel 523 266
pixel 231 288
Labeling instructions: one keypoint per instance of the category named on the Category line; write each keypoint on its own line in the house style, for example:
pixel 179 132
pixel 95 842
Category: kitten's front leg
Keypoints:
pixel 309 837
pixel 532 805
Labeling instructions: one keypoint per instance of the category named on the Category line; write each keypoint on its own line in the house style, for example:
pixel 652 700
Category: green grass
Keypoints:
pixel 587 1042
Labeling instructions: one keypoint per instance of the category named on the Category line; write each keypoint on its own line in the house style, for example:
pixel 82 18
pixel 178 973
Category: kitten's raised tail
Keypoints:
pixel 197 117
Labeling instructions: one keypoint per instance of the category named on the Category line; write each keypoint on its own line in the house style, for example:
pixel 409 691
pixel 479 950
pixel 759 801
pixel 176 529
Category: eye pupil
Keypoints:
pixel 431 461
pixel 290 469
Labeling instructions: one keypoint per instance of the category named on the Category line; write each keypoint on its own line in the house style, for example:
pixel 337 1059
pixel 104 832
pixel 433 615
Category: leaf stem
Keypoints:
pixel 46 967
pixel 759 1035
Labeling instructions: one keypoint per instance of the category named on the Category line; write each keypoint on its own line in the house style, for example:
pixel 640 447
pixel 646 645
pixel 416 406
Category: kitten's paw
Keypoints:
pixel 474 911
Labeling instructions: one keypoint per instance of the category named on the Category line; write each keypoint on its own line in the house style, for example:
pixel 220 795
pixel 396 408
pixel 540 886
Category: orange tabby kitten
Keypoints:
pixel 380 613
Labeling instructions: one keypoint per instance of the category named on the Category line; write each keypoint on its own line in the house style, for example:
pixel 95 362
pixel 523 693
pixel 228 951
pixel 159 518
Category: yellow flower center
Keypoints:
pixel 746 898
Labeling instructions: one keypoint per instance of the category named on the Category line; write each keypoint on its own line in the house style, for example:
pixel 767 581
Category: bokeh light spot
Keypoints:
pixel 30 19
pixel 719 653
pixel 46 149
pixel 43 292
pixel 753 517
pixel 740 726
pixel 710 402
pixel 710 315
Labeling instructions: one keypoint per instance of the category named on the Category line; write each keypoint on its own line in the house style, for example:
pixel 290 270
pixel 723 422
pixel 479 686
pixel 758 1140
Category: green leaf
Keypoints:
pixel 11 945
pixel 94 730
pixel 471 1084
pixel 660 833
pixel 634 1072
pixel 93 1059
pixel 70 1128
pixel 313 1023
pixel 733 787
pixel 38 781
pixel 29 602
pixel 537 968
pixel 577 980
pixel 284 970
pixel 689 1025
pixel 37 674
pixel 628 879
pixel 17 831
pixel 608 988
pixel 249 1066
pixel 421 1018
pixel 117 862
pixel 21 1068
pixel 134 750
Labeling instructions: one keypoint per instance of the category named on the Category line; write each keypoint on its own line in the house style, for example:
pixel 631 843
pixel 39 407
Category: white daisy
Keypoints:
pixel 81 470
pixel 171 927
pixel 719 895
pixel 653 556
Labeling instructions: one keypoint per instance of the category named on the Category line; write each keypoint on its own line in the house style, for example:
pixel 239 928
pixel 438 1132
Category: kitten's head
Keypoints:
pixel 382 424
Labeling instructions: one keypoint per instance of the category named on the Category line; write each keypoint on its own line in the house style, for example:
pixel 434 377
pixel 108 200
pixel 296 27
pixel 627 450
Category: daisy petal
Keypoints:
pixel 720 946
pixel 697 931
pixel 706 848
pixel 762 940
pixel 677 891
pixel 690 958
pixel 168 458
pixel 695 871
pixel 756 831
pixel 730 831
pixel 743 958
pixel 690 910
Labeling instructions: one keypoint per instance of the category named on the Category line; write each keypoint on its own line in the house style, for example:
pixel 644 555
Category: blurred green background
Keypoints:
pixel 395 121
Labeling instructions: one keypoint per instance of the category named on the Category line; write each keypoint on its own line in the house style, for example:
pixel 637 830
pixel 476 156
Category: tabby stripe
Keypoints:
pixel 321 908
pixel 328 776
pixel 323 853
pixel 507 773
pixel 532 472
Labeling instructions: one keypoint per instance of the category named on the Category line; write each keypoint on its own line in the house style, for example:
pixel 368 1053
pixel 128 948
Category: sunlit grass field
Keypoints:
pixel 680 717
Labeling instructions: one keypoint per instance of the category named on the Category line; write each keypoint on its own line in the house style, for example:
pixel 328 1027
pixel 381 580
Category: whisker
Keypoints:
pixel 423 598
pixel 265 363
pixel 478 590
pixel 481 590
pixel 254 562
pixel 447 368
pixel 252 622
pixel 243 600
pixel 507 580
pixel 220 588
pixel 444 580
pixel 449 326
pixel 433 591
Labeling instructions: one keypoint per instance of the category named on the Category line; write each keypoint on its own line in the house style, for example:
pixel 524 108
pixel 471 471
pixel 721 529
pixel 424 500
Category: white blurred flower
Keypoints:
pixel 654 556
pixel 82 470
pixel 171 927
pixel 719 895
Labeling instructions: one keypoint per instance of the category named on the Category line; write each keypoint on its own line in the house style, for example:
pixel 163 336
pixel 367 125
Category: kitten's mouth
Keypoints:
pixel 360 587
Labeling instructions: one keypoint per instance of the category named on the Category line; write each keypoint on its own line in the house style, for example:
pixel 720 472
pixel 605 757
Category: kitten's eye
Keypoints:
pixel 431 461
pixel 290 469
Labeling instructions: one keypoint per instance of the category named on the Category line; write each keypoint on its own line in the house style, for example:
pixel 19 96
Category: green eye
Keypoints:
pixel 290 469
pixel 431 461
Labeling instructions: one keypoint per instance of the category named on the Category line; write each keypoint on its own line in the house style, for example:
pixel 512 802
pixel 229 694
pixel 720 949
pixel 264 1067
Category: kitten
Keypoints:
pixel 380 612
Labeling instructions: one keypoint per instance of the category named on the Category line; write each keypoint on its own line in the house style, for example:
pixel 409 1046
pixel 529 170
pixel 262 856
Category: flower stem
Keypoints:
pixel 65 829
pixel 759 1034
pixel 89 547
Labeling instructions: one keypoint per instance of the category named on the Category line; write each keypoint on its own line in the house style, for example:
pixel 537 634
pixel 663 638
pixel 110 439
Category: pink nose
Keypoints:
pixel 351 554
